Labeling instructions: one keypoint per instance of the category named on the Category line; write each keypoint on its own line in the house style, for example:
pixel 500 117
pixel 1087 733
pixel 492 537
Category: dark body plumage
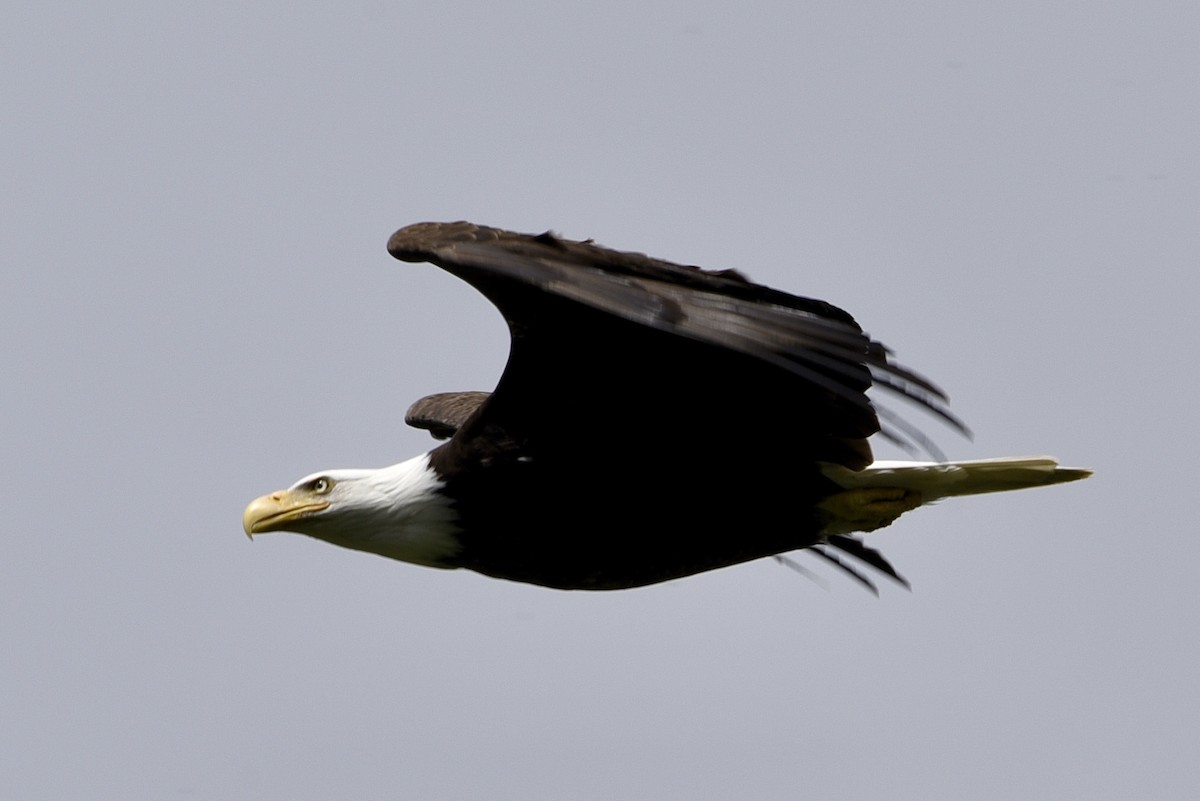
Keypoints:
pixel 653 420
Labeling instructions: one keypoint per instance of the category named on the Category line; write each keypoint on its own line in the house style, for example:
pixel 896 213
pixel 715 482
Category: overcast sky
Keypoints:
pixel 199 308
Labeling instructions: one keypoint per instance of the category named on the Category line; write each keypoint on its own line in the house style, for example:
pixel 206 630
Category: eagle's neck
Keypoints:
pixel 400 512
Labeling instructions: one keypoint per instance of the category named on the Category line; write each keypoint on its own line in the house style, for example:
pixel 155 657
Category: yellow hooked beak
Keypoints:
pixel 275 511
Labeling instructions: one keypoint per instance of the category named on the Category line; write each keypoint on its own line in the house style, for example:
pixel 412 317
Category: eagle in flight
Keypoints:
pixel 653 421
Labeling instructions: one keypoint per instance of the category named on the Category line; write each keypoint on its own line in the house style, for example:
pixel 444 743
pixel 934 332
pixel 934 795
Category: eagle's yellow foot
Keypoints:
pixel 866 509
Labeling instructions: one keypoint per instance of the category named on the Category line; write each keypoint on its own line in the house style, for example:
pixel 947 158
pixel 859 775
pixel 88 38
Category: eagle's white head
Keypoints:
pixel 398 512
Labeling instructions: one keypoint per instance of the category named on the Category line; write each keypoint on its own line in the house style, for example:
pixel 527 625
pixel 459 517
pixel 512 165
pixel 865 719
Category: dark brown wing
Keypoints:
pixel 634 339
pixel 444 413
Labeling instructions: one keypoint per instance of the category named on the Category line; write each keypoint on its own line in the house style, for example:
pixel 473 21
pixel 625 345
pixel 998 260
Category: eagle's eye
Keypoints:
pixel 321 485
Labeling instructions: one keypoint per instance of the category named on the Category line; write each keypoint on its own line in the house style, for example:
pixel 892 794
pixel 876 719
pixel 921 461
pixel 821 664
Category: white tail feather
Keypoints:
pixel 934 480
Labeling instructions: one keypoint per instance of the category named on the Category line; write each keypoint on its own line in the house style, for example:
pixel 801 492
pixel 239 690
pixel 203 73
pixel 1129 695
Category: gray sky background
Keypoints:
pixel 198 308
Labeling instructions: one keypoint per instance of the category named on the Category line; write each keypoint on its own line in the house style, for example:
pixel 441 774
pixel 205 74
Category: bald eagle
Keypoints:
pixel 653 421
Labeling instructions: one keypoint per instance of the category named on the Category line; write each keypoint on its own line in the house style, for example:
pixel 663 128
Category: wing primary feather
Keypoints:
pixel 911 438
pixel 883 380
pixel 900 442
pixel 850 571
pixel 864 553
pixel 879 355
pixel 802 570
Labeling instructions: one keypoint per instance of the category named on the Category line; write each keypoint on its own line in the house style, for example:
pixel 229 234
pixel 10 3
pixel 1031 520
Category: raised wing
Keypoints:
pixel 771 357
